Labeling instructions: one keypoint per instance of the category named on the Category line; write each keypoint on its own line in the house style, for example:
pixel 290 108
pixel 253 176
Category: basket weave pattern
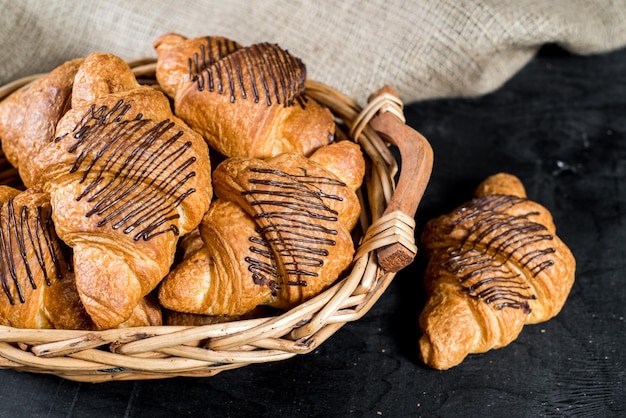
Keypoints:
pixel 386 246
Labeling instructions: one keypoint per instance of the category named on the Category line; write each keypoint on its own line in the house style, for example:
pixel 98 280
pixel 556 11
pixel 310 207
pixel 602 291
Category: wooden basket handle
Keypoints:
pixel 416 156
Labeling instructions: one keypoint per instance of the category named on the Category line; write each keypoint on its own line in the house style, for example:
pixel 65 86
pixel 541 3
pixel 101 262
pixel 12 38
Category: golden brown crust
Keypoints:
pixel 278 234
pixel 146 314
pixel 206 282
pixel 495 264
pixel 126 178
pixel 29 116
pixel 296 205
pixel 245 101
pixel 99 75
pixel 38 288
pixel 345 160
pixel 501 183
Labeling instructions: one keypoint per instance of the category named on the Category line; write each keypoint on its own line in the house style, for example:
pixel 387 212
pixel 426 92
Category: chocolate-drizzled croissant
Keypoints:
pixel 36 274
pixel 495 264
pixel 126 178
pixel 278 234
pixel 37 282
pixel 245 101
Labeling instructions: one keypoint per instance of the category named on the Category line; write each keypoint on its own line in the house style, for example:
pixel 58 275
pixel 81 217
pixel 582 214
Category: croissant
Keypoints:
pixel 146 313
pixel 36 272
pixel 29 116
pixel 245 101
pixel 277 234
pixel 37 282
pixel 126 178
pixel 495 264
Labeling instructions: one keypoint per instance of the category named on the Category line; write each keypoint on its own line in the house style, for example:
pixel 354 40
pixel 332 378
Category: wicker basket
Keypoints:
pixel 387 246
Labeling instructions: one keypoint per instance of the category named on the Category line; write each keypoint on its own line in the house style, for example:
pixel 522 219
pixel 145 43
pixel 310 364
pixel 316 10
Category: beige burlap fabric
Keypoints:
pixel 424 48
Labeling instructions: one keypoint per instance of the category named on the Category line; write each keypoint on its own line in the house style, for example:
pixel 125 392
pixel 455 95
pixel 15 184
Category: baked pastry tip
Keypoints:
pixel 495 264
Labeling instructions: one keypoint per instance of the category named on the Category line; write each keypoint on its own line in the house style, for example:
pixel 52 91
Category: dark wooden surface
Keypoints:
pixel 560 125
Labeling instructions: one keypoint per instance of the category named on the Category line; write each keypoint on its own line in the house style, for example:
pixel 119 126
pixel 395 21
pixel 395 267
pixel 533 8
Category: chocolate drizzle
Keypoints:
pixel 214 50
pixel 28 244
pixel 263 72
pixel 497 241
pixel 295 224
pixel 134 170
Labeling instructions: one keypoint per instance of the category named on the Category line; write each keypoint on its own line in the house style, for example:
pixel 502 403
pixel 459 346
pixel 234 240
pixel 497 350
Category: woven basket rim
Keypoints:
pixel 157 352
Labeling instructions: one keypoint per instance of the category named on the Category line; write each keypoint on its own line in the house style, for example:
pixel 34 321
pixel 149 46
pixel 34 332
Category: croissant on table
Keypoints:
pixel 277 234
pixel 125 178
pixel 495 264
pixel 245 101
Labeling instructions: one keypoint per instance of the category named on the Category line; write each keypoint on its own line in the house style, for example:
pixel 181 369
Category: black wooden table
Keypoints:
pixel 560 125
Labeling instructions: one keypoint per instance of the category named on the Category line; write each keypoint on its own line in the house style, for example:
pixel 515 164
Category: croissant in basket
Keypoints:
pixel 278 234
pixel 126 178
pixel 245 101
pixel 38 286
pixel 29 116
pixel 495 264
pixel 36 272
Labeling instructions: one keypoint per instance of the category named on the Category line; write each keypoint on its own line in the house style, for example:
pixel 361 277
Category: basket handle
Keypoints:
pixel 416 156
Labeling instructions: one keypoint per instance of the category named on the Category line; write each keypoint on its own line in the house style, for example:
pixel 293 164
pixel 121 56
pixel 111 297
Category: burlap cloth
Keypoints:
pixel 424 48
